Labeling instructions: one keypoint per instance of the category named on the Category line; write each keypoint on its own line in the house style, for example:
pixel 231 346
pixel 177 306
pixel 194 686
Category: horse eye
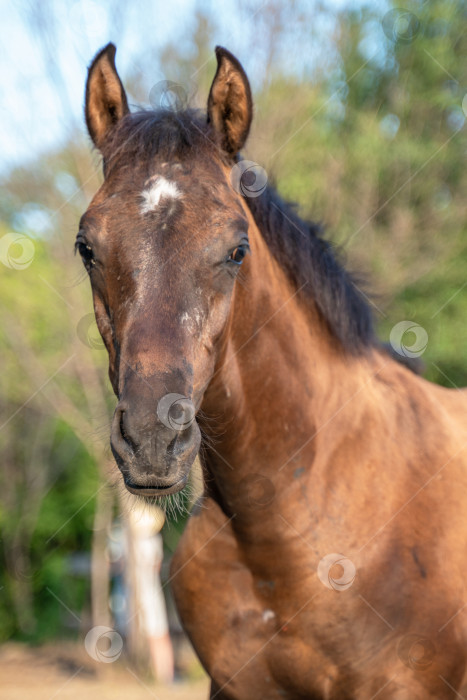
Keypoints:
pixel 237 255
pixel 86 253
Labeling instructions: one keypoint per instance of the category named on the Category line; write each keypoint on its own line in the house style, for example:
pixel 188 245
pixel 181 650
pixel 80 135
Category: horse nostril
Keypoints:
pixel 121 447
pixel 125 433
pixel 171 446
pixel 122 433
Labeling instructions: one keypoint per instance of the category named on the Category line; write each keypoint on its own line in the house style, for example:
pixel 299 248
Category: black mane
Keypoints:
pixel 313 266
pixel 298 245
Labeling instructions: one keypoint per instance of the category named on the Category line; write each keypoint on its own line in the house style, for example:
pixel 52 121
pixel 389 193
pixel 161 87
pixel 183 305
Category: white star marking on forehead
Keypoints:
pixel 159 188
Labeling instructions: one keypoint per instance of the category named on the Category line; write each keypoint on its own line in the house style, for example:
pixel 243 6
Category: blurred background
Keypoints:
pixel 360 112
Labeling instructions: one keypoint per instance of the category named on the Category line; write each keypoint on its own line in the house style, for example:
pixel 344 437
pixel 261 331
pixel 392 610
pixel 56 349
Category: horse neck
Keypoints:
pixel 279 377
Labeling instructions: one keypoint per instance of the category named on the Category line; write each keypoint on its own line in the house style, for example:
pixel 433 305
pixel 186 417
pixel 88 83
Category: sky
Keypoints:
pixel 33 72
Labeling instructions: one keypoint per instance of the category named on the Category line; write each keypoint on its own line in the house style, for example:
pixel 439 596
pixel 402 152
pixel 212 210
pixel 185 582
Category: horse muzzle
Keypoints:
pixel 155 449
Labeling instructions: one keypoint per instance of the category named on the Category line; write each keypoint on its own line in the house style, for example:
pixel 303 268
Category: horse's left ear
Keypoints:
pixel 106 101
pixel 230 107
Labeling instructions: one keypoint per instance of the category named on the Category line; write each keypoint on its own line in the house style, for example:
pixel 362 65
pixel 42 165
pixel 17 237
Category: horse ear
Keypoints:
pixel 106 101
pixel 230 107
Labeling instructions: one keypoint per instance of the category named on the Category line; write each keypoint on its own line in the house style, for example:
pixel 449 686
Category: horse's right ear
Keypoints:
pixel 106 101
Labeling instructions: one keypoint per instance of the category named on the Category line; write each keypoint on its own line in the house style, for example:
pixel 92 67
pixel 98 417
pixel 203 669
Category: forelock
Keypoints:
pixel 142 137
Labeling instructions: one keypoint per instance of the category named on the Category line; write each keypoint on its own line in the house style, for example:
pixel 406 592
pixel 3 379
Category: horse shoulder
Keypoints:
pixel 215 599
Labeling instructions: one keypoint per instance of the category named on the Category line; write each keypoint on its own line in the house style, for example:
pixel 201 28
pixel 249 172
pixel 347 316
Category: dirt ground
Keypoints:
pixel 56 672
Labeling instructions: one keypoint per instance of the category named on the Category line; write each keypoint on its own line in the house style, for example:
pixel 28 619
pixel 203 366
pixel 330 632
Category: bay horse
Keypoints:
pixel 325 558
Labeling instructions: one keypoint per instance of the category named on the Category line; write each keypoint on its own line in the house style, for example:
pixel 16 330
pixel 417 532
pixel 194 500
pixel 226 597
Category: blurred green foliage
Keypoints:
pixel 381 162
pixel 372 144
